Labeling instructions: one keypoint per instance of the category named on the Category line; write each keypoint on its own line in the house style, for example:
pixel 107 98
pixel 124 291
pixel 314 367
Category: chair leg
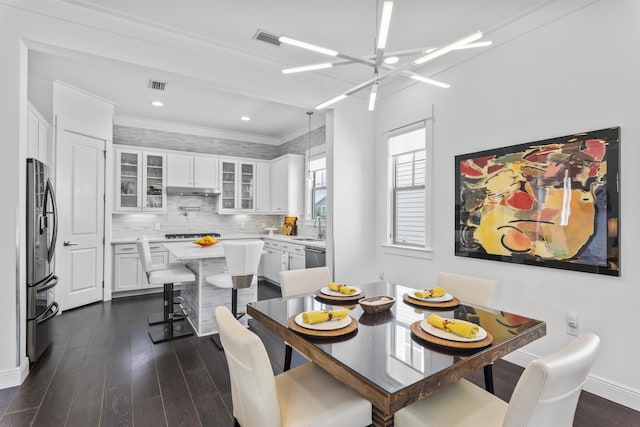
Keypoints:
pixel 488 378
pixel 288 352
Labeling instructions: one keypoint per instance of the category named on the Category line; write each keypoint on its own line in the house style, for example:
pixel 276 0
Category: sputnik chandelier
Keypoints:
pixel 383 64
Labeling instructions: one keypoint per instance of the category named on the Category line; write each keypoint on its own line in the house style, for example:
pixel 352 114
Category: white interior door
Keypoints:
pixel 80 251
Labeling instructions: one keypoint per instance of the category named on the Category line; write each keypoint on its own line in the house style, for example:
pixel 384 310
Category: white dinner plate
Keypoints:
pixel 444 298
pixel 441 333
pixel 330 325
pixel 329 292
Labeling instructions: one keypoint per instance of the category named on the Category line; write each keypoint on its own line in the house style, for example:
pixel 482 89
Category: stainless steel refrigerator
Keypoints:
pixel 42 231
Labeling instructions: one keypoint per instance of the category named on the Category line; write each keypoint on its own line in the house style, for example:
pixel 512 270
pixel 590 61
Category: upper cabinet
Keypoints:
pixel 37 135
pixel 140 181
pixel 192 171
pixel 263 187
pixel 238 185
pixel 287 184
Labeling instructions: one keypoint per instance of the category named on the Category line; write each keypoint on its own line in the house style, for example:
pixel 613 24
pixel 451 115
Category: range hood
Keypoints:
pixel 193 191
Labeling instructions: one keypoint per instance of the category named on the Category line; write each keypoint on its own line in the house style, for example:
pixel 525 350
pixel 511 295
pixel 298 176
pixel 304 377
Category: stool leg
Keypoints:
pixel 288 352
pixel 167 331
pixel 488 378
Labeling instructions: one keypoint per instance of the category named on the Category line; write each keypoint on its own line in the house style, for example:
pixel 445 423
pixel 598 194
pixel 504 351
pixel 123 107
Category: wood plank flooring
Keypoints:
pixel 103 370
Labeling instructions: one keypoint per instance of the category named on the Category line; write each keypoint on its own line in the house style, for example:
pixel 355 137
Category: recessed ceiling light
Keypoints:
pixel 157 103
pixel 245 118
pixel 390 60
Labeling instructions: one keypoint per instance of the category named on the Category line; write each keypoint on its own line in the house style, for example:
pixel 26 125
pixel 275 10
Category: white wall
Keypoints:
pixel 574 74
pixel 350 157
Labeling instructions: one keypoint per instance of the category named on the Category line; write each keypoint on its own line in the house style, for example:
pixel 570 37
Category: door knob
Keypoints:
pixel 68 243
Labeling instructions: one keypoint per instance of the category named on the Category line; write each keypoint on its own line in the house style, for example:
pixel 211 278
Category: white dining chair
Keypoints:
pixel 166 275
pixel 301 282
pixel 475 291
pixel 546 395
pixel 305 396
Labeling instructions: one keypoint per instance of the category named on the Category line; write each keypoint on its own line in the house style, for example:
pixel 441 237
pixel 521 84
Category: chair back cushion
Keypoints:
pixel 253 386
pixel 242 257
pixel 472 290
pixel 144 253
pixel 548 390
pixel 304 281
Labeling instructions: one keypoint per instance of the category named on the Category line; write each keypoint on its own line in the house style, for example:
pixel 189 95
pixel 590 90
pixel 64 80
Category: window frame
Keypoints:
pixel 421 251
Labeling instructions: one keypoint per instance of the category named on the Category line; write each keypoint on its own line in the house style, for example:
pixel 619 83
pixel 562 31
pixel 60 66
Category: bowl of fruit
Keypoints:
pixel 206 241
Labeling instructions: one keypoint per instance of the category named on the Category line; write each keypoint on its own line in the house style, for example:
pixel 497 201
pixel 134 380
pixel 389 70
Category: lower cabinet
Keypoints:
pixel 281 256
pixel 271 261
pixel 128 274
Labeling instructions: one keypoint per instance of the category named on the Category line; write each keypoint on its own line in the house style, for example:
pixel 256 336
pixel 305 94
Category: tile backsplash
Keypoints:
pixel 205 219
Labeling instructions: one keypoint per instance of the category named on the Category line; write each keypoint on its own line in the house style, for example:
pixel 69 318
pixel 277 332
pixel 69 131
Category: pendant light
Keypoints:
pixel 309 173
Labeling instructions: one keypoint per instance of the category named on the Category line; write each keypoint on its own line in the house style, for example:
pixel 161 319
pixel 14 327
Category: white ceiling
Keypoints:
pixel 347 26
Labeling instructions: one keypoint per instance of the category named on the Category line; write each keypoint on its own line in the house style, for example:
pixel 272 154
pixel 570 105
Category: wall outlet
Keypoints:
pixel 242 226
pixel 156 226
pixel 381 275
pixel 573 327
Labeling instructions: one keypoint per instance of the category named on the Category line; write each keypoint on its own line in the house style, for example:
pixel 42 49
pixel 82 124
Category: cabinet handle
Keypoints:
pixel 128 249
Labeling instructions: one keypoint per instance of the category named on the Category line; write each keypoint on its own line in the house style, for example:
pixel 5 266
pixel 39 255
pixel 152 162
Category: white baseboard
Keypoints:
pixel 604 388
pixel 14 377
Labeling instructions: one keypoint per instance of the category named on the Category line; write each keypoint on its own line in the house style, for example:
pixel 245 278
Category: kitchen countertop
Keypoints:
pixel 279 237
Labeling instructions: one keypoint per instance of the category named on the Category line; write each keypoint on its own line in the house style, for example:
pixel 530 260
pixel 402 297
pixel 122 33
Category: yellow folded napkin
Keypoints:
pixel 310 317
pixel 343 289
pixel 431 293
pixel 464 329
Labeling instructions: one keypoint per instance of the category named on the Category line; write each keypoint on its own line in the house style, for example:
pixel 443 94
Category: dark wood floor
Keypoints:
pixel 103 370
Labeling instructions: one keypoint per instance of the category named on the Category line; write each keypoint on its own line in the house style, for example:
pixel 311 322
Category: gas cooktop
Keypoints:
pixel 190 235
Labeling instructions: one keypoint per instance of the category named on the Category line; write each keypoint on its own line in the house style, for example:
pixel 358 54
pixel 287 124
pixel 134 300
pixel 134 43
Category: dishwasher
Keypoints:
pixel 314 257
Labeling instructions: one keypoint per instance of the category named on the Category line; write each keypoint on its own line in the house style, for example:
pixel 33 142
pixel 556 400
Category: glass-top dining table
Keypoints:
pixel 382 359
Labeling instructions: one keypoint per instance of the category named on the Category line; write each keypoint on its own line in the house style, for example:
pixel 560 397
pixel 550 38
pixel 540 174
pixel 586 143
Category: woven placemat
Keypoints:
pixel 346 298
pixel 324 334
pixel 444 305
pixel 417 331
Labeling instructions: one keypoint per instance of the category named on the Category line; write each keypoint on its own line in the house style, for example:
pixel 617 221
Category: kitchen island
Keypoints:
pixel 200 298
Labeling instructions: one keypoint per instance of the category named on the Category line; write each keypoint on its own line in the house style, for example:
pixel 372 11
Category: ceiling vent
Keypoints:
pixel 156 85
pixel 267 37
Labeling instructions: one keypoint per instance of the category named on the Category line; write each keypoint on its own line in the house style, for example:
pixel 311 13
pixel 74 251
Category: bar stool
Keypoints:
pixel 166 275
pixel 242 259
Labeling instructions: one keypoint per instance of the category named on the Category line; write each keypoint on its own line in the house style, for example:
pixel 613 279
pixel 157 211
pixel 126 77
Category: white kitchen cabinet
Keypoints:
pixel 128 274
pixel 37 135
pixel 189 171
pixel 140 181
pixel 263 187
pixel 292 256
pixel 237 179
pixel 271 261
pixel 287 184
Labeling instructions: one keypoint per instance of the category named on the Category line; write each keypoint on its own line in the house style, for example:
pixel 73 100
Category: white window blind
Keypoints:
pixel 408 154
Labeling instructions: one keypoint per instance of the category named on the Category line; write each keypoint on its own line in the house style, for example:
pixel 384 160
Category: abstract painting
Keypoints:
pixel 551 203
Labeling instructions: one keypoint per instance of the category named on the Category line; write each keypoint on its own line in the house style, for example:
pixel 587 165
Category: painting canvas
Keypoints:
pixel 551 203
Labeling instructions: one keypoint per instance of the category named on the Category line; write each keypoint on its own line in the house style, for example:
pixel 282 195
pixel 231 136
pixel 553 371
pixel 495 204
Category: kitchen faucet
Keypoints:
pixel 318 224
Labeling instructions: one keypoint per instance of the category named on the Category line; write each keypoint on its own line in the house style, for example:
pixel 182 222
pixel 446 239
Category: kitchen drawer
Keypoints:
pixel 132 248
pixel 292 248
pixel 272 244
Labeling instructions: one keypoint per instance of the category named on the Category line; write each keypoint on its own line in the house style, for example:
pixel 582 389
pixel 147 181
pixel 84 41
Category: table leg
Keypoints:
pixel 381 419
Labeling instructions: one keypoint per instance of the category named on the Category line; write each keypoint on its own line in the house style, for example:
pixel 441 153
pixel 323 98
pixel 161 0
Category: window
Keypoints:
pixel 409 167
pixel 318 167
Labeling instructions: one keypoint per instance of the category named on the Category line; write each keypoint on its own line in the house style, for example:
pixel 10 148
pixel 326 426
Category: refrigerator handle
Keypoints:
pixel 54 235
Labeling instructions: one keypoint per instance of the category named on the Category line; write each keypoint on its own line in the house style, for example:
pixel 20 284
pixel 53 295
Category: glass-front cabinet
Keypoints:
pixel 155 196
pixel 140 181
pixel 237 180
